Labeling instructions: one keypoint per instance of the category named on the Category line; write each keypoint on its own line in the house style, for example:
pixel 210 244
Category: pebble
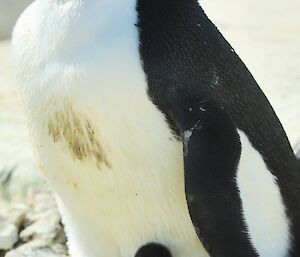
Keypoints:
pixel 16 215
pixel 8 235
pixel 38 248
pixel 32 228
pixel 46 227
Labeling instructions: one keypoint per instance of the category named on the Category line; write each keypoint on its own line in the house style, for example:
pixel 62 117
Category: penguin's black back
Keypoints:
pixel 184 54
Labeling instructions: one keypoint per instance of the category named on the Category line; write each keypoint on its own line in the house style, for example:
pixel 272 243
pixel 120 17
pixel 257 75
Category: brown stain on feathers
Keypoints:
pixel 78 134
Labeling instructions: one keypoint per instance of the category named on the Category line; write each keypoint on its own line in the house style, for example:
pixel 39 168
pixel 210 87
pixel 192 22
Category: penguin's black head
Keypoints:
pixel 153 250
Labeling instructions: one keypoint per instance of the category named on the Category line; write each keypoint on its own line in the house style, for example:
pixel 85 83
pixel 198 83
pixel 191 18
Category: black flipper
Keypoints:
pixel 212 151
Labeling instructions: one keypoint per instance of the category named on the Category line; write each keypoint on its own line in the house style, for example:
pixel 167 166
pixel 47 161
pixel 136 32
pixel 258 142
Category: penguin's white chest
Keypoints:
pixel 118 174
pixel 105 148
pixel 117 170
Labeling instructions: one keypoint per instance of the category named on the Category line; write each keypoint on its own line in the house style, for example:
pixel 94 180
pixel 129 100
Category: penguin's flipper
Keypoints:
pixel 211 154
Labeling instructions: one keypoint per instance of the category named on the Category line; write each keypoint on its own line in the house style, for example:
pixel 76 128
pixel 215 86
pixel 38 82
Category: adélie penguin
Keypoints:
pixel 153 134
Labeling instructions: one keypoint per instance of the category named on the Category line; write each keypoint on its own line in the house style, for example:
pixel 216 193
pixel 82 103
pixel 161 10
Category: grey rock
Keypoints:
pixel 8 235
pixel 17 214
pixel 38 248
pixel 46 228
pixel 43 201
pixel 33 227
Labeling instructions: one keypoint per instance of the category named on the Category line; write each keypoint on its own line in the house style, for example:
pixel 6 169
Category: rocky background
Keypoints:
pixel 9 12
pixel 266 35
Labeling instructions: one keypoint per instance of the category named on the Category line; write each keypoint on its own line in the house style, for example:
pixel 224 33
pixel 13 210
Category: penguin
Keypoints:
pixel 297 150
pixel 153 250
pixel 153 134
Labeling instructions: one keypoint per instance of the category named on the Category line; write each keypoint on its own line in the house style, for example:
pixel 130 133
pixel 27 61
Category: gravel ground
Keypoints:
pixel 32 228
pixel 266 35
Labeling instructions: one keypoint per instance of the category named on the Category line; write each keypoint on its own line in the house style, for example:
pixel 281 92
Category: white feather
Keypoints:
pixel 263 208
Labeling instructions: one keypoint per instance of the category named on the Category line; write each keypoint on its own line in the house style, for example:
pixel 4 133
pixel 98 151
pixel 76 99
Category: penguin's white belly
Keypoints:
pixel 106 149
pixel 118 172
